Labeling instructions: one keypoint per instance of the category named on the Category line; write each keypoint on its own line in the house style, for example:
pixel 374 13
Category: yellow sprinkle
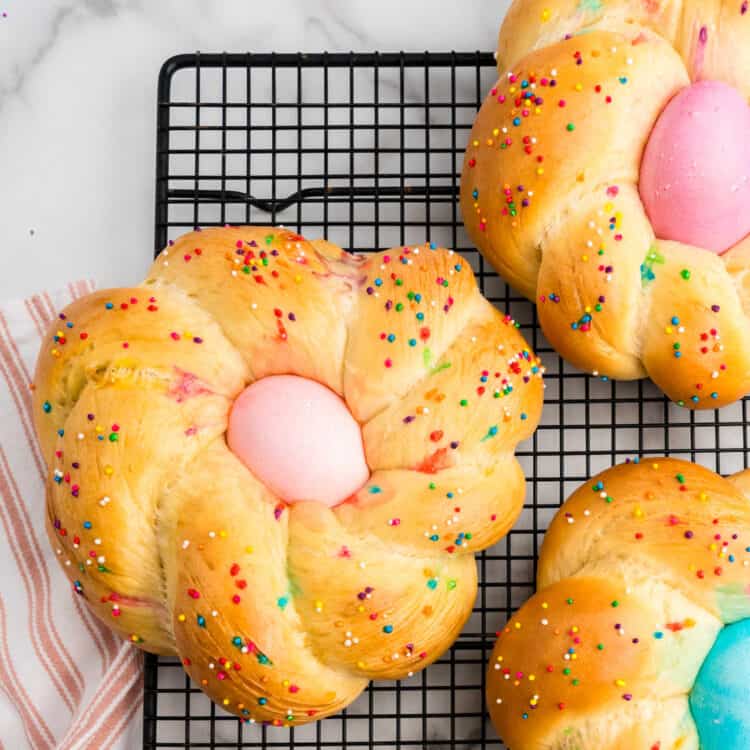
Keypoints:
pixel 654 466
pixel 513 89
pixel 575 628
pixel 703 496
pixel 585 258
pixel 546 13
pixel 360 664
pixel 545 605
pixel 496 132
pixel 638 512
pixel 226 701
pixel 668 329
pixel 532 677
pixel 318 605
pixel 249 549
pixel 222 533
pixel 518 626
pixel 537 110
pixel 475 142
pixel 608 206
pixel 620 683
pixel 297 278
pixel 588 308
pixel 55 353
pixel 360 608
pixel 540 171
pixel 108 470
pixel 285 683
pixel 579 87
pixel 181 617
pixel 98 428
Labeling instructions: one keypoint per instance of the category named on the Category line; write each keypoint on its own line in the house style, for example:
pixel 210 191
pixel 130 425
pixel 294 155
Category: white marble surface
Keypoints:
pixel 78 108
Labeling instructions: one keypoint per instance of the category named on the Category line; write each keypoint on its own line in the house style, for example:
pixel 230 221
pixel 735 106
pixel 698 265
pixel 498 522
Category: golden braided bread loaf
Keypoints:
pixel 283 612
pixel 552 192
pixel 638 637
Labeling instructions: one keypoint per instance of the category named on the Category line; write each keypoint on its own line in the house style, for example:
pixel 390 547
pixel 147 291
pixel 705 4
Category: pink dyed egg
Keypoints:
pixel 695 174
pixel 298 438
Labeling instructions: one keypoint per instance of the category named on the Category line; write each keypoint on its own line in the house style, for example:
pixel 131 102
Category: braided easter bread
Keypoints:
pixel 596 179
pixel 283 611
pixel 639 635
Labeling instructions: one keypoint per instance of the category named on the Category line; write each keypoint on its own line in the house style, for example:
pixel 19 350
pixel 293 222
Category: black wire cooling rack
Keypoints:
pixel 366 149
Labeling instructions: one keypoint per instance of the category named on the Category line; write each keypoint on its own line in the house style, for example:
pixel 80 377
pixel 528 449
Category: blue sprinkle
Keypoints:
pixel 109 305
pixel 87 524
pixel 675 321
pixel 388 629
pixel 378 282
pixel 61 432
pixel 658 635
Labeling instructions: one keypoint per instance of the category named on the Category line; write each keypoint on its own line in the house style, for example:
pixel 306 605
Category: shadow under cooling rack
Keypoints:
pixel 366 149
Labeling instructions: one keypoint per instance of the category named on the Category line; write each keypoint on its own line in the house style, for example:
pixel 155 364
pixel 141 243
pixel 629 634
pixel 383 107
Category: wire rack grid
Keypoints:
pixel 366 150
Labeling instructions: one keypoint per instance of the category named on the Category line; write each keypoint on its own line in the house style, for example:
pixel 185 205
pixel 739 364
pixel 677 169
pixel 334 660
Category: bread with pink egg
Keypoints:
pixel 607 178
pixel 276 460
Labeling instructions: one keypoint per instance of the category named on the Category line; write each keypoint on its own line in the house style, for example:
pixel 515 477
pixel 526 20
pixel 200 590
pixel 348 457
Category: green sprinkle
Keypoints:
pixel 113 437
pixel 432 485
pixel 571 127
pixel 685 274
pixel 451 584
pixel 569 601
pixel 463 402
pixel 615 603
pixel 681 478
pixel 600 646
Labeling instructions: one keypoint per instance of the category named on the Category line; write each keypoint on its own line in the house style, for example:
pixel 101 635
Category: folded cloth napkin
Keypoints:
pixel 65 681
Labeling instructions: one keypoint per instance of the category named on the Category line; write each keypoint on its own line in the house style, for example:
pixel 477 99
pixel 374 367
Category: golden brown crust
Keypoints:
pixel 639 570
pixel 550 189
pixel 282 613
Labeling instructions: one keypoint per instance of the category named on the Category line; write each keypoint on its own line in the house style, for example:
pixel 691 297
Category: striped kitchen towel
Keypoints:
pixel 65 681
